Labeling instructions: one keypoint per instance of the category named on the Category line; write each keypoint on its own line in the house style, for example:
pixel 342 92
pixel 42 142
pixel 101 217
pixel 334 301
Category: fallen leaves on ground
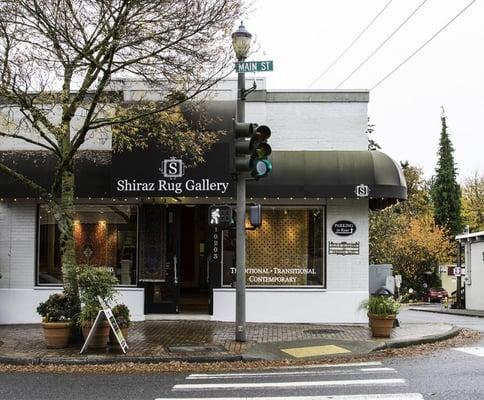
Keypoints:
pixel 465 337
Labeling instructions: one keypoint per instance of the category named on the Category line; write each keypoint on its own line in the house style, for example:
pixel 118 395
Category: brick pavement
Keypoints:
pixel 155 338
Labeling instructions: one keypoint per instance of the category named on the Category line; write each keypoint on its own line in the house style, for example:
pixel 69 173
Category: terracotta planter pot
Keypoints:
pixel 112 339
pixel 57 334
pixel 100 337
pixel 381 327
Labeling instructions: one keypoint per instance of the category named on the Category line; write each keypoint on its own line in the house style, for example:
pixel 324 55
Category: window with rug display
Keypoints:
pixel 104 236
pixel 287 250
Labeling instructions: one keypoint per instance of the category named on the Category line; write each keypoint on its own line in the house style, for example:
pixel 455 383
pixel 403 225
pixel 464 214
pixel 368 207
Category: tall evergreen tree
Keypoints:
pixel 446 194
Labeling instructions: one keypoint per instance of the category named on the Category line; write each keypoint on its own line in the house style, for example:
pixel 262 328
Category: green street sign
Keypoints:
pixel 254 66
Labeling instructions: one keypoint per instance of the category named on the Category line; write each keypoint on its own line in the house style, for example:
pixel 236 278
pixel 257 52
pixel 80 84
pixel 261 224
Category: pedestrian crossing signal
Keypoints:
pixel 221 216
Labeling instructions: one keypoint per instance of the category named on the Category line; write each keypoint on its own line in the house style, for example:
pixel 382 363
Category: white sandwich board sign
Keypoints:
pixel 107 313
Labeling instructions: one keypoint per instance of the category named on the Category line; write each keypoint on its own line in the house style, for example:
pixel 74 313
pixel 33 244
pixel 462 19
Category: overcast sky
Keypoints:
pixel 304 37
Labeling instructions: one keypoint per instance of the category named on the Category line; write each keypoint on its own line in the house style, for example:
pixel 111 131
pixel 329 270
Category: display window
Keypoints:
pixel 287 250
pixel 104 236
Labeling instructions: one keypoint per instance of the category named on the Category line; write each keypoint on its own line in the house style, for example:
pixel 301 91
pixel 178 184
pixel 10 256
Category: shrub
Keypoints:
pixel 94 282
pixel 57 308
pixel 88 314
pixel 122 315
pixel 381 306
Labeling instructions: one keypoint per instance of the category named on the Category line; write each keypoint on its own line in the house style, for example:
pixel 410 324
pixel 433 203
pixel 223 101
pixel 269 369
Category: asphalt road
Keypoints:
pixel 447 374
pixel 410 316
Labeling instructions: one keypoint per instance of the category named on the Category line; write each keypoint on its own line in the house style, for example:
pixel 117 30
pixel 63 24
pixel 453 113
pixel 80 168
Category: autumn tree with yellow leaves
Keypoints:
pixel 406 236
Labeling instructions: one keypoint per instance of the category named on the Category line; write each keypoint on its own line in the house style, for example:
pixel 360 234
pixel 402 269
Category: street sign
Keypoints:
pixel 457 271
pixel 254 66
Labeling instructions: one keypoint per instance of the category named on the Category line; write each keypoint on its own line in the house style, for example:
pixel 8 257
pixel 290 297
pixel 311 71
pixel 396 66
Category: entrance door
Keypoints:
pixel 174 265
pixel 159 258
pixel 194 277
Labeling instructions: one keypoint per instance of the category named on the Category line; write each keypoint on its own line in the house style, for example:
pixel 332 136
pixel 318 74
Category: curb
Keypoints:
pixel 398 344
pixel 448 313
pixel 96 360
pixel 116 360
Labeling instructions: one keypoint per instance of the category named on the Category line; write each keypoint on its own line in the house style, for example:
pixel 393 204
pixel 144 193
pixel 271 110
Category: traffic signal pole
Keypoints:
pixel 240 324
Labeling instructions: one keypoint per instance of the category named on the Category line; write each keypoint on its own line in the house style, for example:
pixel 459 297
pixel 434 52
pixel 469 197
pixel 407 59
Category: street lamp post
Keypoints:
pixel 241 40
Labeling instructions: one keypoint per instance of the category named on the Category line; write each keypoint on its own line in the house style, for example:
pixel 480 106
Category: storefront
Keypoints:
pixel 144 215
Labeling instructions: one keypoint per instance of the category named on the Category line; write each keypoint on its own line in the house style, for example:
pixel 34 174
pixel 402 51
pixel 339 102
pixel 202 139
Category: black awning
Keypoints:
pixel 92 172
pixel 335 174
pixel 296 174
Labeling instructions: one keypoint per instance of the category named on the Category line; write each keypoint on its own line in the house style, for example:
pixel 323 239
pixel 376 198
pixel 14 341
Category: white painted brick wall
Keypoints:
pixel 348 272
pixel 17 245
pixel 296 126
pixel 99 139
pixel 313 126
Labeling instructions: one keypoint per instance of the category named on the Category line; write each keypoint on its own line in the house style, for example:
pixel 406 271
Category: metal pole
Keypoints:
pixel 240 335
pixel 458 299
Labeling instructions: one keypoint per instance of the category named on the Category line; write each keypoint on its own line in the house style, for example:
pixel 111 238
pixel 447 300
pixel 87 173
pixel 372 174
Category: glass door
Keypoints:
pixel 159 258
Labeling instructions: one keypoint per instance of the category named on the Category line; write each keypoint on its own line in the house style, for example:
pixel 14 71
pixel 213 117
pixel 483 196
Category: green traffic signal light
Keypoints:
pixel 261 168
pixel 260 165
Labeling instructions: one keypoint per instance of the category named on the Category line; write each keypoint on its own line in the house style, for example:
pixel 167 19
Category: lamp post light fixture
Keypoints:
pixel 241 40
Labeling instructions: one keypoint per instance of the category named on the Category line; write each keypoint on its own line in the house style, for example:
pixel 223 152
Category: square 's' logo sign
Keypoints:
pixel 172 168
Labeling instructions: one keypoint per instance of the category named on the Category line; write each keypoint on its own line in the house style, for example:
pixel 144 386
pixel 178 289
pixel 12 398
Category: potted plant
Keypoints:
pixel 382 312
pixel 95 283
pixel 123 318
pixel 86 320
pixel 56 315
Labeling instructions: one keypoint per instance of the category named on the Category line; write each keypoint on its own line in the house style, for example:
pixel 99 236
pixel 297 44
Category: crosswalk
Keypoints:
pixel 475 351
pixel 351 381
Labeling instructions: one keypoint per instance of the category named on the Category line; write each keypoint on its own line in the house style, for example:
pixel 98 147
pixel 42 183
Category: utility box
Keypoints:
pixel 381 276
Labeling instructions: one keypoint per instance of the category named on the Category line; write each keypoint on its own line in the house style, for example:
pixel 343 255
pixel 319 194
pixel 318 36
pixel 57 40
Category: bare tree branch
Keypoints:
pixel 26 139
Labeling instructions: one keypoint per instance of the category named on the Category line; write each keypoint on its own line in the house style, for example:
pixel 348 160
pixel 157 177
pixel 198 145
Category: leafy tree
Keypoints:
pixel 405 235
pixel 60 66
pixel 445 191
pixel 418 193
pixel 473 202
pixel 418 250
pixel 390 222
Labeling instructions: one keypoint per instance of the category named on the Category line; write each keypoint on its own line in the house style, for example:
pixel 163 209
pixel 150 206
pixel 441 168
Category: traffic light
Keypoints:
pixel 252 149
pixel 259 164
pixel 221 216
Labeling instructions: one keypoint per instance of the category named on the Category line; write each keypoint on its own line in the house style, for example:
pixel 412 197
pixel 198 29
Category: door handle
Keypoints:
pixel 175 271
pixel 208 269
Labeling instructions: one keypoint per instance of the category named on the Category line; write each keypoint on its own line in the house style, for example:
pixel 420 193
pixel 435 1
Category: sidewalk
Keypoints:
pixel 205 341
pixel 451 311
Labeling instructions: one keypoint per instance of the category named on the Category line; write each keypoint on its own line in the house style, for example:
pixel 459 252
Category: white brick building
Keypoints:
pixel 308 262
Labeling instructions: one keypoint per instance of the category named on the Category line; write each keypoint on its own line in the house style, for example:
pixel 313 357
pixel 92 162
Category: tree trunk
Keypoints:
pixel 66 227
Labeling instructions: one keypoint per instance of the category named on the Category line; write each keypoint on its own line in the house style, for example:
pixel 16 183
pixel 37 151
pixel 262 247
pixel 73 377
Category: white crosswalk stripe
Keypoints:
pixel 356 371
pixel 335 380
pixel 475 351
pixel 295 384
pixel 395 396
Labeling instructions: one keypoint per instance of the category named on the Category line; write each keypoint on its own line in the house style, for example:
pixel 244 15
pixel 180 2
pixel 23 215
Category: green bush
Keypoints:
pixel 381 306
pixel 94 283
pixel 57 308
pixel 88 314
pixel 122 315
